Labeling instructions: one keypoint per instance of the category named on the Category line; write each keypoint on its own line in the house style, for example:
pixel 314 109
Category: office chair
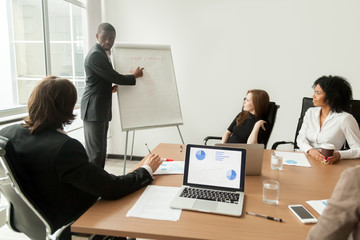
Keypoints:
pixel 270 118
pixel 354 109
pixel 22 213
pixel 306 104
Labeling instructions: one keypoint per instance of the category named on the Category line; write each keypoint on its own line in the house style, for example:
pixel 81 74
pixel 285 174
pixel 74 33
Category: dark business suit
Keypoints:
pixel 96 101
pixel 55 172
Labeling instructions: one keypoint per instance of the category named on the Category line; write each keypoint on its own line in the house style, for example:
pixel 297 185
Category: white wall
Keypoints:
pixel 222 48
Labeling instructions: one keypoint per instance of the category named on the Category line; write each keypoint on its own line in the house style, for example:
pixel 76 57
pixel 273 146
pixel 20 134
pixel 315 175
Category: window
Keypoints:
pixel 66 42
pixel 45 37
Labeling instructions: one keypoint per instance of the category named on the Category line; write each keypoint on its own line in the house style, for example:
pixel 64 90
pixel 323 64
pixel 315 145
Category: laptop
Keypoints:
pixel 254 156
pixel 214 180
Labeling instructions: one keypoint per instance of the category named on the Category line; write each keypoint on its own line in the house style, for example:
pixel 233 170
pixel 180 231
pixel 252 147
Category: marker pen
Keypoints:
pixel 167 160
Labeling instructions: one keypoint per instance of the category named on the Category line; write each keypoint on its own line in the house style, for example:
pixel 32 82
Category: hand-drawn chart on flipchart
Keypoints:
pixel 153 101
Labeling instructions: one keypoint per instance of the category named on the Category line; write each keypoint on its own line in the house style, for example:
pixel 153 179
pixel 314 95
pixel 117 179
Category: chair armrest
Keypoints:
pixel 276 144
pixel 211 137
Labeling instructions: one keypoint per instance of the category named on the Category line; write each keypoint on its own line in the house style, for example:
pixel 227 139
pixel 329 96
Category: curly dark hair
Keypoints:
pixel 338 92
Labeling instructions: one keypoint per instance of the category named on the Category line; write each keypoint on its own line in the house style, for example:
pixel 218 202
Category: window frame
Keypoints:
pixel 21 110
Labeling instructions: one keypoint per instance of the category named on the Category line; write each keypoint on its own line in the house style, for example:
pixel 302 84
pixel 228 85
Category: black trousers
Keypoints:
pixel 96 141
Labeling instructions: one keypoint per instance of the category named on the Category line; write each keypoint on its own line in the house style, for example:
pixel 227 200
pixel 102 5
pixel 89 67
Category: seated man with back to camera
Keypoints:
pixel 341 217
pixel 249 125
pixel 56 172
pixel 328 121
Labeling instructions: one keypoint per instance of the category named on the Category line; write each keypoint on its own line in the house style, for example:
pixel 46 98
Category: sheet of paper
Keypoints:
pixel 175 167
pixel 318 205
pixel 154 204
pixel 294 159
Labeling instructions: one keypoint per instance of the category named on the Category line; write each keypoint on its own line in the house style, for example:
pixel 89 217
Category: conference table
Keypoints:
pixel 297 185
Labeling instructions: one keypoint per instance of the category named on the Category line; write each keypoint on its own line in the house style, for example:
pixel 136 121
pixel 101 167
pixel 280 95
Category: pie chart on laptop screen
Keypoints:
pixel 231 174
pixel 200 155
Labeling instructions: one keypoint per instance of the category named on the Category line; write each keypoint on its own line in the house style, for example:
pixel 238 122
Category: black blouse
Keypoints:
pixel 241 133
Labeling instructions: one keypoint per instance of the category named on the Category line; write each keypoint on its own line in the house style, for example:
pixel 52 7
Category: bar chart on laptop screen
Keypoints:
pixel 214 167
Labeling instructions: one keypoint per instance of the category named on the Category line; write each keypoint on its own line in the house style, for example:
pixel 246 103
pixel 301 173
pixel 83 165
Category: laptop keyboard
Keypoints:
pixel 212 195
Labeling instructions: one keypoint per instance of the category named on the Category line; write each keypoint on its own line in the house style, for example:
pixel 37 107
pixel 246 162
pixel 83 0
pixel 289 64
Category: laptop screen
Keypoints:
pixel 215 167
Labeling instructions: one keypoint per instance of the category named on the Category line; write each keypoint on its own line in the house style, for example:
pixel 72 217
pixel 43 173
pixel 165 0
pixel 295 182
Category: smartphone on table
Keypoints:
pixel 302 214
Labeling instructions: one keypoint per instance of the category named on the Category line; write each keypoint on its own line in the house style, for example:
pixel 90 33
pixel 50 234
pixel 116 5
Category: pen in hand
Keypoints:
pixel 162 159
pixel 147 147
pixel 264 216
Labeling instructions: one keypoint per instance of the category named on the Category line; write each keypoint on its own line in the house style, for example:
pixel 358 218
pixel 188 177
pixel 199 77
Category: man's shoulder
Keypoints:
pixel 95 52
pixel 12 129
pixel 354 171
pixel 96 48
pixel 49 137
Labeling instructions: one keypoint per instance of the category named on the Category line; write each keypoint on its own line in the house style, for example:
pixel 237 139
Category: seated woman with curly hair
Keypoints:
pixel 328 121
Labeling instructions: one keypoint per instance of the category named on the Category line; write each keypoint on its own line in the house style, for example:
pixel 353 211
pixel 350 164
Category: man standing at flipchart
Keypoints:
pixel 97 99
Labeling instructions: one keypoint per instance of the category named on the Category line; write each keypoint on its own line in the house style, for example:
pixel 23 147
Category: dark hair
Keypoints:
pixel 51 104
pixel 106 27
pixel 338 92
pixel 260 100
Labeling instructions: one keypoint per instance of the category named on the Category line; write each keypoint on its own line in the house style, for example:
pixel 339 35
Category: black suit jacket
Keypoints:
pixel 55 173
pixel 96 101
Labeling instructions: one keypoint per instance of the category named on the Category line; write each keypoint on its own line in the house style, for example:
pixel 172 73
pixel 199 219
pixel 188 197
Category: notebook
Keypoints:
pixel 214 180
pixel 254 156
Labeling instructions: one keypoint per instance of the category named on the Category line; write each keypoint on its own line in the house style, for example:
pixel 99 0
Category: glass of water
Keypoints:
pixel 276 161
pixel 271 189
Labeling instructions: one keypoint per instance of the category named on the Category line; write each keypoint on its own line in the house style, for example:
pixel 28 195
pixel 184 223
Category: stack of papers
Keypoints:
pixel 318 205
pixel 154 204
pixel 293 158
pixel 174 167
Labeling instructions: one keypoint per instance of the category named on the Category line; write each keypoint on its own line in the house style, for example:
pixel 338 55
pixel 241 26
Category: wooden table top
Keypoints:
pixel 297 185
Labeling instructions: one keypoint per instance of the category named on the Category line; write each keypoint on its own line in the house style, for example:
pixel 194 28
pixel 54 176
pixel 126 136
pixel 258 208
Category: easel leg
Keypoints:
pixel 132 146
pixel 182 140
pixel 126 142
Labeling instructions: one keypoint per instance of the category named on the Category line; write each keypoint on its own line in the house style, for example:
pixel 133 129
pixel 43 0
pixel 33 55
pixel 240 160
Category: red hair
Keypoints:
pixel 260 99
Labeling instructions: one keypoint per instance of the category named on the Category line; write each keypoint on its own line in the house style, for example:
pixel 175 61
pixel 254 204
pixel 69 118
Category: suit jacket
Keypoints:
pixel 100 75
pixel 55 173
pixel 341 217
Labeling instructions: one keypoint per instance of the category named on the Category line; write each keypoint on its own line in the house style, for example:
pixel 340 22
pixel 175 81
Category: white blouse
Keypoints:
pixel 336 129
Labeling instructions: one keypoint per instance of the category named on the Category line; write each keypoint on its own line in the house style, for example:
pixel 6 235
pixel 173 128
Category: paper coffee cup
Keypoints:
pixel 327 149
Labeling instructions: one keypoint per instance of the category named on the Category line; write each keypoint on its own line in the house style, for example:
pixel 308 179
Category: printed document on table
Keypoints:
pixel 318 205
pixel 294 158
pixel 175 167
pixel 154 204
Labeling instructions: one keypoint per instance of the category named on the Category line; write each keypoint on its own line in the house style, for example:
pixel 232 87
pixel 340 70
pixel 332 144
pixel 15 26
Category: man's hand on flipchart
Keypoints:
pixel 114 88
pixel 138 72
pixel 154 161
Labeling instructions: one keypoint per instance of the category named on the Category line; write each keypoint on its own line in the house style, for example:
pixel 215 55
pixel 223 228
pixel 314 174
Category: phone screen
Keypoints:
pixel 302 212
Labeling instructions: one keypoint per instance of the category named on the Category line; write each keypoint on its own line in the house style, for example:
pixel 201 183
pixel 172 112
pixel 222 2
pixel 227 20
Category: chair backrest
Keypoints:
pixel 23 215
pixel 355 110
pixel 271 117
pixel 306 104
